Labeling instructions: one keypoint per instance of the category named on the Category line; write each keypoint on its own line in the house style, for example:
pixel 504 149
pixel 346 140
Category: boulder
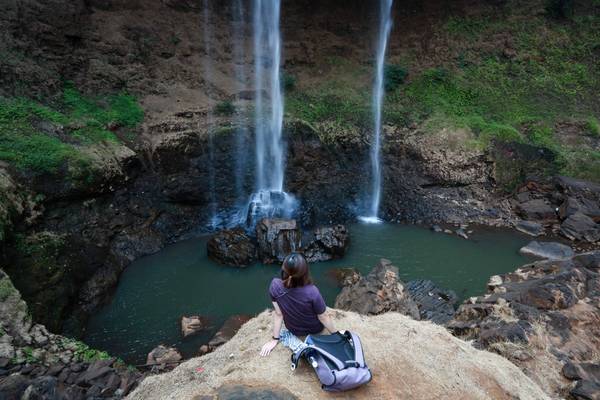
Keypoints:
pixel 277 238
pixel 228 330
pixel 41 388
pixel 163 355
pixel 547 250
pixel 531 228
pixel 232 247
pixel 327 243
pixel 537 210
pixel 193 324
pixel 580 227
pixel 344 276
pixel 13 386
pixel 584 206
pixel 435 304
pixel 409 359
pixel 380 291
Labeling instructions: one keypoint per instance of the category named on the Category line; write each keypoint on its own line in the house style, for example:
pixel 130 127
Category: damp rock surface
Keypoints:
pixel 277 238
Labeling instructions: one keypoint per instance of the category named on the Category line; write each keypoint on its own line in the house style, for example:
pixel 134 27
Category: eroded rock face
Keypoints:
pixel 277 238
pixel 571 203
pixel 327 243
pixel 380 291
pixel 580 227
pixel 539 316
pixel 232 247
pixel 435 304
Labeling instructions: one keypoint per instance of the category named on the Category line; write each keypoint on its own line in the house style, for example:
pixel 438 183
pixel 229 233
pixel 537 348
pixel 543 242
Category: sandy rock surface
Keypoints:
pixel 409 360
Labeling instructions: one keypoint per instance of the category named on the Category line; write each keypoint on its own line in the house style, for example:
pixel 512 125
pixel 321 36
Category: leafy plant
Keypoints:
pixel 288 81
pixel 6 289
pixel 225 107
pixel 593 127
pixel 394 76
pixel 30 358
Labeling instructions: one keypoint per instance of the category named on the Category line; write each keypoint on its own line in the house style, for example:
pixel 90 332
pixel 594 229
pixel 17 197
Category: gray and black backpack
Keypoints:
pixel 337 359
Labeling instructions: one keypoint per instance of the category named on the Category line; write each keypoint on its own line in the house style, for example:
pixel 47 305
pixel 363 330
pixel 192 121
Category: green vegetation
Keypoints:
pixel 394 76
pixel 288 81
pixel 225 107
pixel 593 127
pixel 537 89
pixel 6 289
pixel 45 139
pixel 83 352
pixel 30 358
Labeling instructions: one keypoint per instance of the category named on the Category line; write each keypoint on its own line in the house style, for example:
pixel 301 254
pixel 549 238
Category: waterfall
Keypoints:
pixel 385 26
pixel 269 199
pixel 207 65
pixel 239 55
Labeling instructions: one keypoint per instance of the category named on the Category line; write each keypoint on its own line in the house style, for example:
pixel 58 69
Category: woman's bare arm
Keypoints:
pixel 325 319
pixel 277 322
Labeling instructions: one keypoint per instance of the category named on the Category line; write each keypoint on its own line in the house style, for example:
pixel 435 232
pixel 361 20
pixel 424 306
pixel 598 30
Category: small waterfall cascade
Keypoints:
pixel 385 26
pixel 269 199
pixel 207 65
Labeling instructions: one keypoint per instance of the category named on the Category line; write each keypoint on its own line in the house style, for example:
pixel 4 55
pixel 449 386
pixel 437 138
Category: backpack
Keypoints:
pixel 337 359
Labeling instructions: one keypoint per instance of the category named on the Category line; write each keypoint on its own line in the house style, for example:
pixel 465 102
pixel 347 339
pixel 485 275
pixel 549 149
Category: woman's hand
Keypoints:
pixel 268 347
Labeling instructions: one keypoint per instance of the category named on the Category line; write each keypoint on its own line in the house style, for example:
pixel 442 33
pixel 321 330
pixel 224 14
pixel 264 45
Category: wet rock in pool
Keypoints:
pixel 461 232
pixel 580 227
pixel 232 247
pixel 380 291
pixel 193 324
pixel 327 243
pixel 530 228
pixel 163 355
pixel 435 304
pixel 277 238
pixel 228 330
pixel 547 250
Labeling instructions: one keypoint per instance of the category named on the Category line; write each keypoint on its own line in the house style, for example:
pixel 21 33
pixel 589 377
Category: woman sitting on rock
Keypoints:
pixel 298 303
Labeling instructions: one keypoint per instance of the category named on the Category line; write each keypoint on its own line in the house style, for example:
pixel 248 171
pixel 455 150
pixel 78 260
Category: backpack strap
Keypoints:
pixel 358 349
pixel 338 363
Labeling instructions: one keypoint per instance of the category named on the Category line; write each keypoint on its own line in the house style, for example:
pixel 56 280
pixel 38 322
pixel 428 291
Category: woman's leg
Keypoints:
pixel 291 341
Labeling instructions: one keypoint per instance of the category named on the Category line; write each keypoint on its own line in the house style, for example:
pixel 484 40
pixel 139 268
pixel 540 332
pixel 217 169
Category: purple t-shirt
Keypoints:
pixel 299 306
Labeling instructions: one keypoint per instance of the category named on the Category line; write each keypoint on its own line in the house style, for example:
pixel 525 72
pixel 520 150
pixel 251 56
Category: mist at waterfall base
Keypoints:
pixel 385 26
pixel 155 291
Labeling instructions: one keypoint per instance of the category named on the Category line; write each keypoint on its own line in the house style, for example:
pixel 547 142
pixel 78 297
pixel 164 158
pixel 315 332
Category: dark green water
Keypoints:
pixel 155 291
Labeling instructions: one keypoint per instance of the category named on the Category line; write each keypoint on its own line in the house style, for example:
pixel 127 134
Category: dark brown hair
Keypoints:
pixel 295 272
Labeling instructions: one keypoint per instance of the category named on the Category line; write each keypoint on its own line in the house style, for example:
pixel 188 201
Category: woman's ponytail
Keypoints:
pixel 296 272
